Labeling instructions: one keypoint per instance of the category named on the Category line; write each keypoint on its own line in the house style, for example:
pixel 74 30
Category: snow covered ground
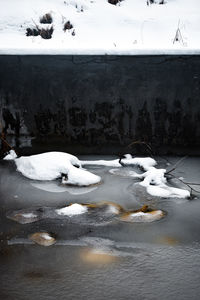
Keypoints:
pixel 130 27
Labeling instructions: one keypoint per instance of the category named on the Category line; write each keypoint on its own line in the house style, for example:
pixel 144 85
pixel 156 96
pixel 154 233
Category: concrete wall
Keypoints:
pixel 101 104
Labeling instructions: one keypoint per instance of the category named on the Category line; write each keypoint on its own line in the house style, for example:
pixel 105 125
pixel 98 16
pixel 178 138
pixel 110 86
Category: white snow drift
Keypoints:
pixel 130 27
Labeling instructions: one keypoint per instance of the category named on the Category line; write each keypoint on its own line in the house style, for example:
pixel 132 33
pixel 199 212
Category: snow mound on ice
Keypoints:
pixel 72 210
pixel 143 216
pixel 51 165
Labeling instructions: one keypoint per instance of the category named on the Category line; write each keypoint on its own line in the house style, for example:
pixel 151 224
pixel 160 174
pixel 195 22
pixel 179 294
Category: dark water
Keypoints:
pixel 97 259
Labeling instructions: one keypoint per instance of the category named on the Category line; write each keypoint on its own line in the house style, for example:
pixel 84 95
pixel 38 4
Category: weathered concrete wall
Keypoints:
pixel 100 104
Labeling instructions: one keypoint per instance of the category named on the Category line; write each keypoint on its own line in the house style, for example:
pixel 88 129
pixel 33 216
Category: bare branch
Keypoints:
pixel 176 165
pixel 188 184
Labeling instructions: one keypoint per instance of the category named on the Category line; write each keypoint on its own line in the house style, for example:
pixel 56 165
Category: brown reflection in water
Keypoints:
pixel 167 240
pixel 98 257
pixel 42 274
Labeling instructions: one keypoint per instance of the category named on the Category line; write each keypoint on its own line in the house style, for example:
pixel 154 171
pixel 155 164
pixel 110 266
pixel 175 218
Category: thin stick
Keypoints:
pixel 5 142
pixel 186 183
pixel 176 165
pixel 35 25
pixel 2 138
pixel 143 143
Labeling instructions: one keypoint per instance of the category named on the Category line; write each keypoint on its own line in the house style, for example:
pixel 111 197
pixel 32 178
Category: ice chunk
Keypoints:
pixel 42 238
pixel 25 216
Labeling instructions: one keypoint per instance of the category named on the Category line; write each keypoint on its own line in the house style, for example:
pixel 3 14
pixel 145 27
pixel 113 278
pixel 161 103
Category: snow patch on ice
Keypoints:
pixel 143 162
pixel 53 165
pixel 80 177
pixel 153 179
pixel 72 210
pixel 156 184
pixel 46 236
pixel 144 217
pixel 101 162
pixel 29 215
pixel 166 191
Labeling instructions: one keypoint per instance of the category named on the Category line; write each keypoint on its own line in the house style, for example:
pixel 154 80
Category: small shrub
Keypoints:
pixel 32 32
pixel 67 26
pixel 150 2
pixel 45 33
pixel 155 2
pixel 114 2
pixel 46 19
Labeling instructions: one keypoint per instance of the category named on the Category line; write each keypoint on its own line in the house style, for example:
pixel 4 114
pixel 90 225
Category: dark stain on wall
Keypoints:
pixel 101 104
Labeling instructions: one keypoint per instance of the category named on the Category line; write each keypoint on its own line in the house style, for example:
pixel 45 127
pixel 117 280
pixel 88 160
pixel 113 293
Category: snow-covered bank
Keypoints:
pixel 131 27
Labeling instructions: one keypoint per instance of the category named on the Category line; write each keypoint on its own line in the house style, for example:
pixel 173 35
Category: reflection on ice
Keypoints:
pixel 124 172
pixel 167 240
pixel 98 256
pixel 80 190
pixel 93 249
pixel 54 187
pixel 97 241
pixel 51 187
